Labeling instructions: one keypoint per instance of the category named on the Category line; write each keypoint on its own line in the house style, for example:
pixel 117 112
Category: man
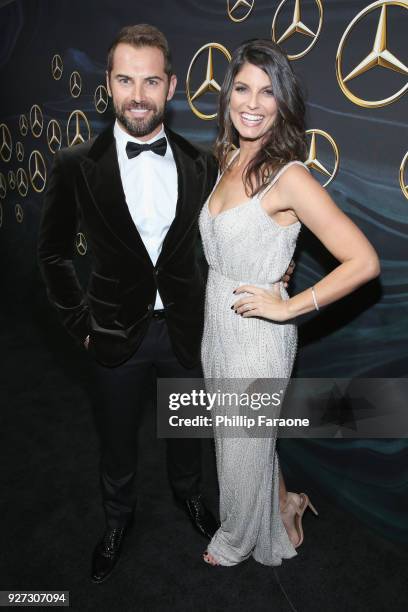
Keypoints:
pixel 137 189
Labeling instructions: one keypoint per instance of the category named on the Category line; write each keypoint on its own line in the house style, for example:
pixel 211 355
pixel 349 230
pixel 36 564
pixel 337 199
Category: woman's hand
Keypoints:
pixel 261 303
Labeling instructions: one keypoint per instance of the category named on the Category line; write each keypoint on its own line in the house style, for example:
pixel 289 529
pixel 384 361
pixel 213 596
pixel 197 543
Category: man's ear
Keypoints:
pixel 108 84
pixel 172 86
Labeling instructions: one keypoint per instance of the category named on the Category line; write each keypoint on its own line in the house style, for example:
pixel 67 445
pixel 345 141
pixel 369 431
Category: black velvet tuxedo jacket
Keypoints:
pixel 85 188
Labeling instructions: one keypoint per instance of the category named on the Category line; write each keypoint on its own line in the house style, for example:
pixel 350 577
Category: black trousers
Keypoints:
pixel 117 411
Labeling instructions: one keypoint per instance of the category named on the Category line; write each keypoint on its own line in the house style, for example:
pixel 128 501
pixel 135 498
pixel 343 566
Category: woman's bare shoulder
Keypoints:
pixel 294 176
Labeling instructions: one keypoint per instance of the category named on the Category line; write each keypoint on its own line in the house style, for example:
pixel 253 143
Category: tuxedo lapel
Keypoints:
pixel 190 186
pixel 102 176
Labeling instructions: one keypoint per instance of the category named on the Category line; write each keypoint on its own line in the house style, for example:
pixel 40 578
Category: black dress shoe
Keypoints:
pixel 201 518
pixel 107 553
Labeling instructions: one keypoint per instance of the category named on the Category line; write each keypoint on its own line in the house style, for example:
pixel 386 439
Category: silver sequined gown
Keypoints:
pixel 244 245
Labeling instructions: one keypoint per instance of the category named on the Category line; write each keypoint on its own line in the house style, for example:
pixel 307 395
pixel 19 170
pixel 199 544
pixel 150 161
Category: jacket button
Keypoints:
pixel 150 307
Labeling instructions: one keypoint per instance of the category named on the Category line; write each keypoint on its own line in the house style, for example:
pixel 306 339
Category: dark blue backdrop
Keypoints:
pixel 364 334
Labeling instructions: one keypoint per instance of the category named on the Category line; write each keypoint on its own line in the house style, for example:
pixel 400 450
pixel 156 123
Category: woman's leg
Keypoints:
pixel 282 490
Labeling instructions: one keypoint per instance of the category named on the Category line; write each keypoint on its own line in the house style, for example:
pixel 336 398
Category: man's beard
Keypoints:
pixel 139 127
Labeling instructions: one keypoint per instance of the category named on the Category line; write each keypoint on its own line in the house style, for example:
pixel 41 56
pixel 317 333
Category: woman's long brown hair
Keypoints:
pixel 286 139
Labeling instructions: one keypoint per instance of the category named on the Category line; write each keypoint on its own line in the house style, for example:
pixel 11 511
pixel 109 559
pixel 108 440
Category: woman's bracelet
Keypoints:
pixel 314 299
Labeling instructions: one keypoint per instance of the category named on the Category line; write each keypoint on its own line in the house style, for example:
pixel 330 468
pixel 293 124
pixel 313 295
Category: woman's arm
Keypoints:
pixel 315 208
pixel 299 192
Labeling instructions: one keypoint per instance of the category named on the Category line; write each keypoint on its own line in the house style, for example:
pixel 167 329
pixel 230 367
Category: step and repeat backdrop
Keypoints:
pixel 352 59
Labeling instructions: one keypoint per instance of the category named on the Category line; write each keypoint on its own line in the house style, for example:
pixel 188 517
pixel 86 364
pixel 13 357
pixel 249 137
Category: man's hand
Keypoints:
pixel 286 277
pixel 86 342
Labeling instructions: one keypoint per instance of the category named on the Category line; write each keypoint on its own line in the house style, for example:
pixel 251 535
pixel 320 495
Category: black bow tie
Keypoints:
pixel 133 149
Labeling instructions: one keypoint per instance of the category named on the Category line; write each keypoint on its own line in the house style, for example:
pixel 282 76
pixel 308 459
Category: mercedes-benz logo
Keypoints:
pixel 38 171
pixel 78 128
pixel 240 10
pixel 22 182
pixel 312 160
pixel 403 184
pixel 378 56
pixel 297 27
pixel 101 99
pixel 19 213
pixel 19 151
pixel 23 125
pixel 36 121
pixel 54 135
pixel 209 84
pixel 11 180
pixel 3 186
pixel 6 143
pixel 75 84
pixel 57 67
pixel 80 243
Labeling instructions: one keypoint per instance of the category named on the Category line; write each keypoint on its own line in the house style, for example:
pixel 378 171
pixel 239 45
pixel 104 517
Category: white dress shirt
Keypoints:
pixel 150 185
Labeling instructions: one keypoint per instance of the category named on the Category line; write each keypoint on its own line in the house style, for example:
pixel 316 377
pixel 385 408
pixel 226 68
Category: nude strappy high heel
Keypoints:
pixel 300 502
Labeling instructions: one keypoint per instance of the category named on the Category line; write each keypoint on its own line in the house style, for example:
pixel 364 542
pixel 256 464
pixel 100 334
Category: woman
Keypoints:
pixel 249 226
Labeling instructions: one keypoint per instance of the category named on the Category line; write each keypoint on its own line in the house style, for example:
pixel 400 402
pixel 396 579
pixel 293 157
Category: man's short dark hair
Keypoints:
pixel 142 35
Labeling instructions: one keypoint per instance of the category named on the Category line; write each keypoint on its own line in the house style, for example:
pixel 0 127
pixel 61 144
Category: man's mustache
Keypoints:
pixel 139 106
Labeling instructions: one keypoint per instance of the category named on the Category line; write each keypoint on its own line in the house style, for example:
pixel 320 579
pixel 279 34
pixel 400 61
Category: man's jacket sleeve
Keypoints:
pixel 56 245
